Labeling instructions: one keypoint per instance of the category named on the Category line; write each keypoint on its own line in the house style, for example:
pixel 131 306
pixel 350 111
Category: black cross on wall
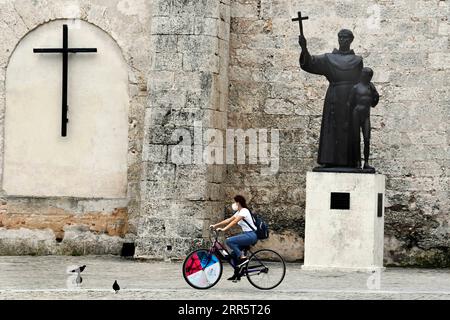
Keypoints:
pixel 65 50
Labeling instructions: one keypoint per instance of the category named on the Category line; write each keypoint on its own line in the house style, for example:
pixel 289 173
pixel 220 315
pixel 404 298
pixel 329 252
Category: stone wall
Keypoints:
pixel 216 64
pixel 188 93
pixel 73 224
pixel 407 45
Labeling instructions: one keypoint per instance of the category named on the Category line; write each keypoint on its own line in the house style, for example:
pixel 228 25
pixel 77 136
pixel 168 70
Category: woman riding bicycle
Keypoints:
pixel 248 237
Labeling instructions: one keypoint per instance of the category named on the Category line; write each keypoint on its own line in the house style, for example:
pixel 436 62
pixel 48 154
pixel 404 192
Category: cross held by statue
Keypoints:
pixel 300 21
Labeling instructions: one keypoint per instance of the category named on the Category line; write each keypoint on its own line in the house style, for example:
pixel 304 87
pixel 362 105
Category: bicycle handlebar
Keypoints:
pixel 215 232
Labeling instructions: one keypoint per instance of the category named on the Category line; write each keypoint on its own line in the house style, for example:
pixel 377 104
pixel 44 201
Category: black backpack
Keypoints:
pixel 262 229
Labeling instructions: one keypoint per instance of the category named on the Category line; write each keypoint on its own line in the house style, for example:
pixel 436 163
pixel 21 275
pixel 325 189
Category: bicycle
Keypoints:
pixel 202 268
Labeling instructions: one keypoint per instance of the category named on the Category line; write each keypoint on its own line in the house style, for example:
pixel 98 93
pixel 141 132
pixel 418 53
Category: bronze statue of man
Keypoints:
pixel 342 68
pixel 363 96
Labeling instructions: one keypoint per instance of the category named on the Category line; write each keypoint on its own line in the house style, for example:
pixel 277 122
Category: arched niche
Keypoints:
pixel 91 161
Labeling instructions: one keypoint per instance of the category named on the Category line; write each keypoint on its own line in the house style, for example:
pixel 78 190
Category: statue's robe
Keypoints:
pixel 343 71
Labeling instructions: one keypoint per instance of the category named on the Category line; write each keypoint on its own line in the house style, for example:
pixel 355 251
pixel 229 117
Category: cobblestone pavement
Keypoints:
pixel 45 278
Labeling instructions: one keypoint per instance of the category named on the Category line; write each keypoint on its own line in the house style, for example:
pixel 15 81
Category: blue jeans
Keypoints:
pixel 241 240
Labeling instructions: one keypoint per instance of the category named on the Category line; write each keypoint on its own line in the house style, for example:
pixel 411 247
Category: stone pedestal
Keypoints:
pixel 344 221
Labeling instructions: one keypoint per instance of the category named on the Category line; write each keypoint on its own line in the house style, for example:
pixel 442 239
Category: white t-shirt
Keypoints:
pixel 248 217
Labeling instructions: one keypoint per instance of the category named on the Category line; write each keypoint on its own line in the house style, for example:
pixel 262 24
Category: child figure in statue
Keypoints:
pixel 363 96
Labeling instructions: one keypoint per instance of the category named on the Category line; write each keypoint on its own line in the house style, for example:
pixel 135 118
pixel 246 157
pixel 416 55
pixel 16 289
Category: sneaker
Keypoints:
pixel 233 277
pixel 236 277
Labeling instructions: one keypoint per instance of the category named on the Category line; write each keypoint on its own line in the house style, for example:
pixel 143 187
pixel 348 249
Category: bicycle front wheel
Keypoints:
pixel 266 269
pixel 202 269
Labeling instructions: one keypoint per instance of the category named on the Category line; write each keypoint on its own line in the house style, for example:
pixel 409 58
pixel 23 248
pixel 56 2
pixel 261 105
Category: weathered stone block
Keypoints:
pixel 346 233
pixel 154 153
pixel 167 61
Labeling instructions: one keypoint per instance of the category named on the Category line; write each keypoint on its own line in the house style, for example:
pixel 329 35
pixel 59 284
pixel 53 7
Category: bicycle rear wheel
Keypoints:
pixel 266 269
pixel 202 269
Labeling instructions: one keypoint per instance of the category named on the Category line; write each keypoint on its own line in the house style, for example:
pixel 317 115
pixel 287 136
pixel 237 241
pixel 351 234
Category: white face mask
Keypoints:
pixel 234 206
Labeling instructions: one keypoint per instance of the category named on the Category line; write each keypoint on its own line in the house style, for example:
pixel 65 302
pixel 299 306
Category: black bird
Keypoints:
pixel 79 269
pixel 116 286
